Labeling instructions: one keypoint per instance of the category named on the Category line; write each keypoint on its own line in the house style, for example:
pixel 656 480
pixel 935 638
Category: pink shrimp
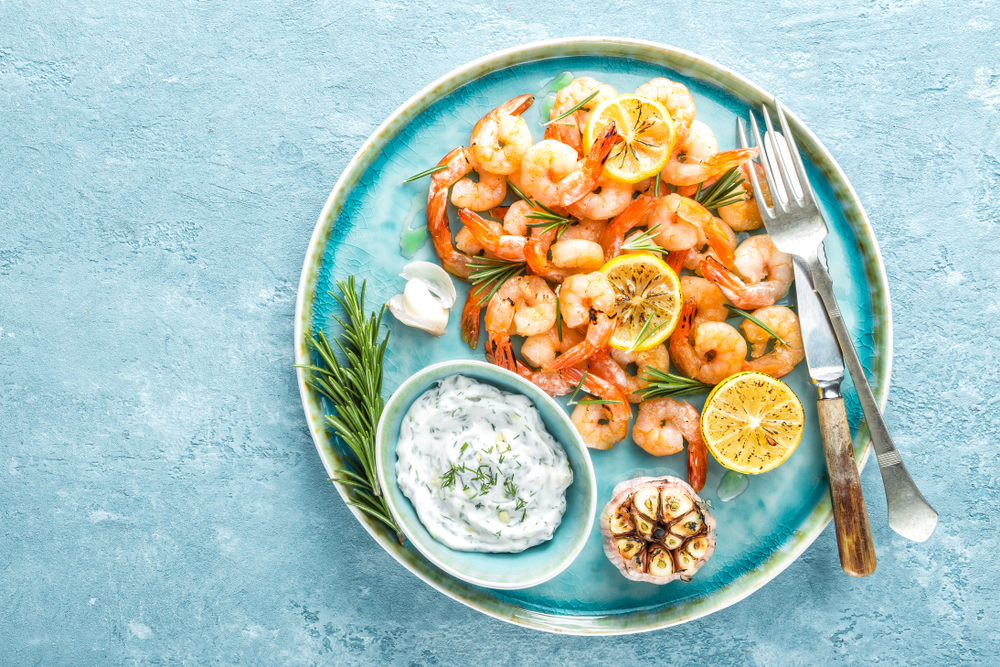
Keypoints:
pixel 768 270
pixel 501 137
pixel 661 428
pixel 683 170
pixel 458 165
pixel 717 351
pixel 586 299
pixel 490 234
pixel 613 235
pixel 581 182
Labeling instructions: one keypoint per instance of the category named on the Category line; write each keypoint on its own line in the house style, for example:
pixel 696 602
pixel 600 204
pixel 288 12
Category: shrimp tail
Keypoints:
pixel 490 234
pixel 726 160
pixel 768 366
pixel 581 182
pixel 719 240
pixel 675 260
pixel 697 464
pixel 597 386
pixel 598 334
pixel 453 261
pixel 731 286
pixel 500 352
pixel 613 235
pixel 683 329
pixel 470 319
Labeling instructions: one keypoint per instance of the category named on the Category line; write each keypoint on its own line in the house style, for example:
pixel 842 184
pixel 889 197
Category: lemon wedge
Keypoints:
pixel 646 136
pixel 752 422
pixel 647 300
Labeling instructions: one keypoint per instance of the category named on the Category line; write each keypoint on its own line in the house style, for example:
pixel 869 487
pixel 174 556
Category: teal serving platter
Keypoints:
pixel 494 570
pixel 359 232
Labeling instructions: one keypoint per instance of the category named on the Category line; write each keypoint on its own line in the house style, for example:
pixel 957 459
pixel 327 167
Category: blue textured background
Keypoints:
pixel 161 168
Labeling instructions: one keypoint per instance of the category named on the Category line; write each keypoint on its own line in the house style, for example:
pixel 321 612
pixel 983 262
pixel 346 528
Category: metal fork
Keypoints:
pixel 796 227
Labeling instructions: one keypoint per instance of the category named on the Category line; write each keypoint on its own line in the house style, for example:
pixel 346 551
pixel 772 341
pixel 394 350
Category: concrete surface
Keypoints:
pixel 161 168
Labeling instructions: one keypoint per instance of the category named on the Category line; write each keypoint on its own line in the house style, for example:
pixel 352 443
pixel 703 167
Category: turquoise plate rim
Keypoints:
pixel 695 67
pixel 410 524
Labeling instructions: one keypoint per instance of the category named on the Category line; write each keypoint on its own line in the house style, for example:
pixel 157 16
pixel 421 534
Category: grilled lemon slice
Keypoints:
pixel 646 135
pixel 752 422
pixel 647 300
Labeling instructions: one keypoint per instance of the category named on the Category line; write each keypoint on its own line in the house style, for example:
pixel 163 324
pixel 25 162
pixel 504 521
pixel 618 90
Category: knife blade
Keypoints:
pixel 826 368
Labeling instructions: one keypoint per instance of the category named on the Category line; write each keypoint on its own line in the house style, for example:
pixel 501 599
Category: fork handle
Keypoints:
pixel 910 514
pixel 850 519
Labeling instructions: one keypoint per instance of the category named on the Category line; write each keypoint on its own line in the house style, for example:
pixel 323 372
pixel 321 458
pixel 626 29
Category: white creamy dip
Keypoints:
pixel 480 468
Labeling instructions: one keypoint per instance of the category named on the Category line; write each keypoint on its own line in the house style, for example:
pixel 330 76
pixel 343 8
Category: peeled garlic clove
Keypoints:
pixel 690 524
pixel 647 501
pixel 675 504
pixel 435 279
pixel 432 319
pixel 621 523
pixel 661 563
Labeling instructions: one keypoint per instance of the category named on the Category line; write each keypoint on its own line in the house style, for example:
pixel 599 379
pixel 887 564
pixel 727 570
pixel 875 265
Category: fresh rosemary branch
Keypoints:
pixel 596 401
pixel 573 109
pixel 558 315
pixel 643 241
pixel 576 390
pixel 354 389
pixel 667 384
pixel 517 191
pixel 769 330
pixel 426 172
pixel 490 273
pixel 644 336
pixel 725 191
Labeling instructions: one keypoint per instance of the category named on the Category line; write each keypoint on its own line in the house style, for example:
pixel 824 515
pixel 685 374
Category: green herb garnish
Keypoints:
pixel 643 241
pixel 574 108
pixel 490 274
pixel 725 191
pixel 425 172
pixel 354 390
pixel 666 384
pixel 753 319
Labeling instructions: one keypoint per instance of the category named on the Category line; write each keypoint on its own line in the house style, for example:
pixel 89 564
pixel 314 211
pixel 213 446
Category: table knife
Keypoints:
pixel 826 368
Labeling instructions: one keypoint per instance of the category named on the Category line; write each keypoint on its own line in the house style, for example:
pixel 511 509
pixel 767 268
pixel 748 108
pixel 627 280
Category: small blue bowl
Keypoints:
pixel 503 571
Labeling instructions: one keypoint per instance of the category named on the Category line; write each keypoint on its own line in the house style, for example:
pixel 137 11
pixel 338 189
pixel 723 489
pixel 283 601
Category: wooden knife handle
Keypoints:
pixel 850 518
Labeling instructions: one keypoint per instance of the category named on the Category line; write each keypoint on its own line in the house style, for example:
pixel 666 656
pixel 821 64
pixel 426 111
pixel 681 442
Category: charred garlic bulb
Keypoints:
pixel 425 300
pixel 657 529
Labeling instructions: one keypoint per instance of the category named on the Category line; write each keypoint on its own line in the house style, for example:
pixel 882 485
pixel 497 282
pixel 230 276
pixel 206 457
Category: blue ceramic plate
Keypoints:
pixel 781 512
pixel 502 571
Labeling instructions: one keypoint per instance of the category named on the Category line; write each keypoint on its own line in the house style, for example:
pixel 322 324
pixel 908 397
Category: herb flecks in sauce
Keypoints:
pixel 511 469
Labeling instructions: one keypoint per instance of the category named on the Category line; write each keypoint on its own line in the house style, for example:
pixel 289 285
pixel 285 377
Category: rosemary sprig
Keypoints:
pixel 558 315
pixel 769 330
pixel 725 191
pixel 595 401
pixel 425 172
pixel 644 336
pixel 667 384
pixel 517 191
pixel 656 187
pixel 576 390
pixel 354 389
pixel 574 108
pixel 643 241
pixel 489 273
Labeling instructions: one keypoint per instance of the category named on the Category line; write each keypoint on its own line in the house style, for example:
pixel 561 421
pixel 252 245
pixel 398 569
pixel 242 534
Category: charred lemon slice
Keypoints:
pixel 646 135
pixel 647 300
pixel 752 422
